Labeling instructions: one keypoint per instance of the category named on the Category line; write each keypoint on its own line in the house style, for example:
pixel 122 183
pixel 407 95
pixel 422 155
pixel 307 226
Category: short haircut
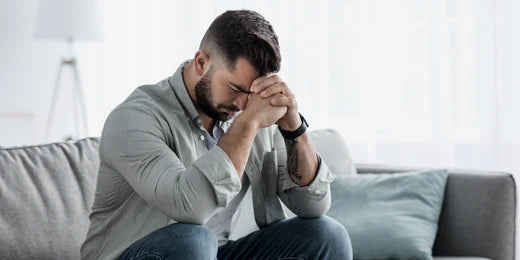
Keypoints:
pixel 246 34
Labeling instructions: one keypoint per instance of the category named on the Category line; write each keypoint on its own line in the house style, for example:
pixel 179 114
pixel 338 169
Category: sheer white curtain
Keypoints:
pixel 408 82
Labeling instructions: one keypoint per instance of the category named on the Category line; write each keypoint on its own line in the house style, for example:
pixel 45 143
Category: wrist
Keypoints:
pixel 247 125
pixel 291 123
pixel 291 135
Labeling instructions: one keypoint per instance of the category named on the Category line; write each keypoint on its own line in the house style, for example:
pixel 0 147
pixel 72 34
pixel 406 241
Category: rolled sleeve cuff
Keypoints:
pixel 319 187
pixel 221 173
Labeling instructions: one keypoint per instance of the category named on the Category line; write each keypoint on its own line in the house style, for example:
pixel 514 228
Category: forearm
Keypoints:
pixel 311 200
pixel 302 161
pixel 238 140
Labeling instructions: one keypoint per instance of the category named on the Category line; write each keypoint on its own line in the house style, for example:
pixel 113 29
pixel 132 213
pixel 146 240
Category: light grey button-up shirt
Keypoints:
pixel 220 222
pixel 156 169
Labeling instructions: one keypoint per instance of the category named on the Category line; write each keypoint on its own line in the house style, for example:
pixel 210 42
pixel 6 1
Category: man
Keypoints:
pixel 177 159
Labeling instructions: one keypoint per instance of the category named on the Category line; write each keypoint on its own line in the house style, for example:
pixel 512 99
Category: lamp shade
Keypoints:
pixel 69 19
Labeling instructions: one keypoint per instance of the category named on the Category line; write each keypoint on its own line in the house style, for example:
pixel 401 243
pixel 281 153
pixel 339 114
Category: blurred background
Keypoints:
pixel 406 82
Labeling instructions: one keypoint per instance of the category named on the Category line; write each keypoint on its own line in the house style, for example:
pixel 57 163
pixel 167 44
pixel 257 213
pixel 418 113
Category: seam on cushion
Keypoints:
pixel 48 144
pixel 76 172
pixel 152 254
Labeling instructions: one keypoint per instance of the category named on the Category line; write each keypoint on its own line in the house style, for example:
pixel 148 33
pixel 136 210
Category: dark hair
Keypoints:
pixel 246 34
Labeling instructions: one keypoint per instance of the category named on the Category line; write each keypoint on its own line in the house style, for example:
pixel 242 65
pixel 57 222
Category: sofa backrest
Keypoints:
pixel 478 213
pixel 46 192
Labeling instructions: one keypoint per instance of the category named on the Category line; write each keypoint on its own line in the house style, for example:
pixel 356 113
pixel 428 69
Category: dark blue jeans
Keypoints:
pixel 295 238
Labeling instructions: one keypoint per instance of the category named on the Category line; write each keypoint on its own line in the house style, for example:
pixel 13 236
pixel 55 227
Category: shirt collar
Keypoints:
pixel 178 86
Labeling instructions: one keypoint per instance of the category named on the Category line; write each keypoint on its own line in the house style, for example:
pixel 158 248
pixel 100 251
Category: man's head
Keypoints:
pixel 238 47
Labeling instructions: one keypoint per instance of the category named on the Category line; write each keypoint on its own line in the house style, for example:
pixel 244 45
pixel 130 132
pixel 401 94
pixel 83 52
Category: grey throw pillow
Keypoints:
pixel 332 148
pixel 390 216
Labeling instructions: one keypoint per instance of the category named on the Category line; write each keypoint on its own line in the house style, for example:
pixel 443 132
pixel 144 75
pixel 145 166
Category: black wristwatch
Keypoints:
pixel 291 135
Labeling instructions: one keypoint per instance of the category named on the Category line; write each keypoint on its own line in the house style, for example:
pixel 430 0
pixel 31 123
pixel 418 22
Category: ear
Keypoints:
pixel 201 63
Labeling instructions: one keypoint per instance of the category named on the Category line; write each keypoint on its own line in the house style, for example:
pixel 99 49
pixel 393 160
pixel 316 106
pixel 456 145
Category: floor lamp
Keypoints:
pixel 70 20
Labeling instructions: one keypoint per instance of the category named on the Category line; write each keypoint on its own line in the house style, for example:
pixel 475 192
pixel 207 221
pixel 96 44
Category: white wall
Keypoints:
pixel 144 42
pixel 425 83
pixel 28 69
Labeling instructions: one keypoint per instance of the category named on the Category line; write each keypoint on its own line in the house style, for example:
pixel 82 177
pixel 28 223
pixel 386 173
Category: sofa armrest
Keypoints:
pixel 478 213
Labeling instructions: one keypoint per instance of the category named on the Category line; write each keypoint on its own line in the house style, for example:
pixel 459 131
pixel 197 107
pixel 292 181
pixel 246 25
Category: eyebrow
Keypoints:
pixel 242 89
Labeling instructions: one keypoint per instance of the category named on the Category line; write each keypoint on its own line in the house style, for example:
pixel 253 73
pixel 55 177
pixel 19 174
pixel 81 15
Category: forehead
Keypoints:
pixel 243 75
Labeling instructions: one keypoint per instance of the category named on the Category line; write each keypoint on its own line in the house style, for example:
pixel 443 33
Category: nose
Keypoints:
pixel 241 101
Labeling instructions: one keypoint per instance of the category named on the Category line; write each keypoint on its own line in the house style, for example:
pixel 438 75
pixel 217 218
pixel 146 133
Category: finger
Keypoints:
pixel 280 87
pixel 283 101
pixel 264 82
pixel 256 82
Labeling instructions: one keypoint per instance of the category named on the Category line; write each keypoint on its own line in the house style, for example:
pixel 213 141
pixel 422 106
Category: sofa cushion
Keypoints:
pixel 478 214
pixel 390 216
pixel 329 144
pixel 46 192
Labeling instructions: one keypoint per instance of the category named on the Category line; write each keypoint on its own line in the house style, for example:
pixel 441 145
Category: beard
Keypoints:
pixel 205 99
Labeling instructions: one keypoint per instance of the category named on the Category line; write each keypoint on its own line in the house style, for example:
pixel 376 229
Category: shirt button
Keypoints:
pixel 202 137
pixel 198 121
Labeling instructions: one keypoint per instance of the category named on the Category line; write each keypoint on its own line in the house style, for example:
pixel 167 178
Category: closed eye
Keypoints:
pixel 235 90
pixel 238 89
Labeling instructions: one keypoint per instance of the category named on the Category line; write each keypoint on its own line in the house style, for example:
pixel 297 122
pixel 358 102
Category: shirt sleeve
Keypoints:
pixel 133 144
pixel 308 201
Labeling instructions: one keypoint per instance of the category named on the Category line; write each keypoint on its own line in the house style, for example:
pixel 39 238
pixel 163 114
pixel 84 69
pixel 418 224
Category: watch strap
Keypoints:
pixel 291 135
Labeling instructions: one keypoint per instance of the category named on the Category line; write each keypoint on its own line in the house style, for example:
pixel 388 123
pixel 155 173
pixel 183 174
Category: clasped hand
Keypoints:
pixel 273 102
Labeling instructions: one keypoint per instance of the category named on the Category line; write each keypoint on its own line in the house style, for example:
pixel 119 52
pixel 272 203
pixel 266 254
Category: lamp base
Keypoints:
pixel 79 108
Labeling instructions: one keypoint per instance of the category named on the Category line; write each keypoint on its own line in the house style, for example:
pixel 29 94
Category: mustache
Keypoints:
pixel 231 108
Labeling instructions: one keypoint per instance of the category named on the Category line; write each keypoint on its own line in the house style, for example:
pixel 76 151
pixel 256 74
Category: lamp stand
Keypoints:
pixel 78 104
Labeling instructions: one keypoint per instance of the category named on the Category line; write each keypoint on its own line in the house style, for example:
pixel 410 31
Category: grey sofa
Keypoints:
pixel 46 192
